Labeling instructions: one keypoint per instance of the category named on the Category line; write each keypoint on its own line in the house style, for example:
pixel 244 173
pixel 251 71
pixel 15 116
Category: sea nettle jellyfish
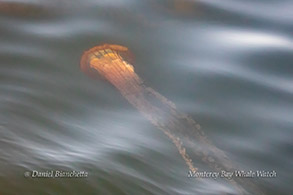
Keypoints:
pixel 114 63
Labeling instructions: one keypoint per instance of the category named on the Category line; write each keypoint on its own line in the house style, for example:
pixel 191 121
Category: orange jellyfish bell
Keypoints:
pixel 94 59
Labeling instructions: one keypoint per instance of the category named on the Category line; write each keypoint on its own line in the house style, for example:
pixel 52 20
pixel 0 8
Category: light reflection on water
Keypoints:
pixel 226 64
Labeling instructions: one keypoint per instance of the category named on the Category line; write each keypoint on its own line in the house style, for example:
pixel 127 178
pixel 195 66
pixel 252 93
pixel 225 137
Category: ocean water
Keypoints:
pixel 228 64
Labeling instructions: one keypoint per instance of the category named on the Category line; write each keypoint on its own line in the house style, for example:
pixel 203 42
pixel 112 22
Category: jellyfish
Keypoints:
pixel 114 63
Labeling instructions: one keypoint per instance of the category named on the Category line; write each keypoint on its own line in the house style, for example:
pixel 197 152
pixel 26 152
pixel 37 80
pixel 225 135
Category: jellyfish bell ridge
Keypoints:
pixel 94 59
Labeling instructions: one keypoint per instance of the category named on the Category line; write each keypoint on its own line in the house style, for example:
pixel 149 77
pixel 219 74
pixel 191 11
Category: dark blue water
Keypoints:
pixel 228 64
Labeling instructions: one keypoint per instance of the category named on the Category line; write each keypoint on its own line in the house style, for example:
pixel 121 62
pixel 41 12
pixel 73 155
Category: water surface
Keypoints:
pixel 228 64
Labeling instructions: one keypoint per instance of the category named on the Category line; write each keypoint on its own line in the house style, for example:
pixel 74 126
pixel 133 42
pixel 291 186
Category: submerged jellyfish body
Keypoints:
pixel 114 63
